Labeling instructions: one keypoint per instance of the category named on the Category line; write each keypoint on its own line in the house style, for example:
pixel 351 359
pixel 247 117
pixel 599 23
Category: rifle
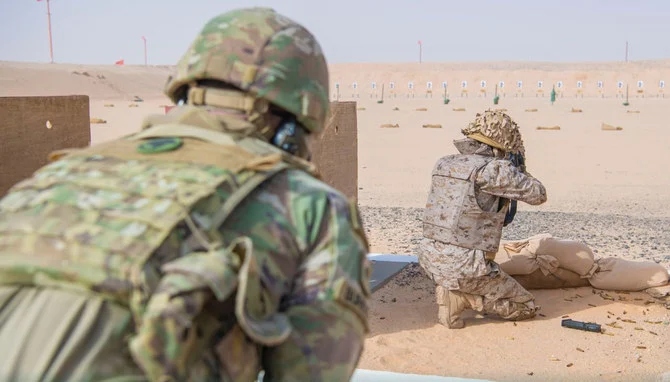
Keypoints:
pixel 519 162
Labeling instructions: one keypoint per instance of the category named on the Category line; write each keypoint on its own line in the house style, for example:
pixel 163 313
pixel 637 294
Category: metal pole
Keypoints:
pixel 420 52
pixel 626 93
pixel 626 51
pixel 51 47
pixel 145 50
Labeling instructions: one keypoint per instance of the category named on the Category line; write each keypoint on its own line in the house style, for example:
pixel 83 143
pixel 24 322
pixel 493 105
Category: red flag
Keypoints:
pixel 119 62
pixel 419 42
pixel 144 38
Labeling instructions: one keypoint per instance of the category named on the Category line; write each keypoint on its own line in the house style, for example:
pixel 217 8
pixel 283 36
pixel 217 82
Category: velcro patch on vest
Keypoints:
pixel 160 145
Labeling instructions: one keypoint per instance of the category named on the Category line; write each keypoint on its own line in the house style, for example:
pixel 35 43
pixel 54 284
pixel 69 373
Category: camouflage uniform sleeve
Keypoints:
pixel 184 313
pixel 168 337
pixel 327 306
pixel 502 179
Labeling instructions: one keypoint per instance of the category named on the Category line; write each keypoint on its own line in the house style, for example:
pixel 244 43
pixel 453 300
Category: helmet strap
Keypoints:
pixel 254 108
pixel 484 139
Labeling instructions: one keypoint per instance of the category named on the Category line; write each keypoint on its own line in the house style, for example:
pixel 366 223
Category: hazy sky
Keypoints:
pixel 103 31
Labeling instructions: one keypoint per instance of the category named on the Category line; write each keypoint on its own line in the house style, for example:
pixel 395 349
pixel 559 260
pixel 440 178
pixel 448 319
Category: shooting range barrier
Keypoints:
pixel 33 127
pixel 335 150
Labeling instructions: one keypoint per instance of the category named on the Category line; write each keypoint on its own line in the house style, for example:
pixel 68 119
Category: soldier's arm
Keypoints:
pixel 502 179
pixel 166 335
pixel 172 329
pixel 327 305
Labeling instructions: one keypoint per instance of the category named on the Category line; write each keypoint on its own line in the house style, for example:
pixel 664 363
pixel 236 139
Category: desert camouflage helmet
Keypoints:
pixel 496 129
pixel 265 54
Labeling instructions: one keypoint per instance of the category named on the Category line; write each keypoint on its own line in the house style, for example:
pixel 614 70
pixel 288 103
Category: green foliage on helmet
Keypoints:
pixel 264 54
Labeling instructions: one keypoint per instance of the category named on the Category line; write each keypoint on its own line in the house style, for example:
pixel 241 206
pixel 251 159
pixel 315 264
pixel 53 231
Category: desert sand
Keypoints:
pixel 609 189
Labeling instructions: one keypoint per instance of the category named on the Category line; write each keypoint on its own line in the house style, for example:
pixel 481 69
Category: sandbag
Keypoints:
pixel 515 257
pixel 560 278
pixel 628 275
pixel 515 263
pixel 572 255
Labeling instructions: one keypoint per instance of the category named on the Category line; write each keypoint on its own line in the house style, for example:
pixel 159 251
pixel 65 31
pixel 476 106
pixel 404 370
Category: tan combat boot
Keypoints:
pixel 450 305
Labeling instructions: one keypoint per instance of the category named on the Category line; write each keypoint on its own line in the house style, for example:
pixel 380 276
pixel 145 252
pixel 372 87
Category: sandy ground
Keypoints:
pixel 607 188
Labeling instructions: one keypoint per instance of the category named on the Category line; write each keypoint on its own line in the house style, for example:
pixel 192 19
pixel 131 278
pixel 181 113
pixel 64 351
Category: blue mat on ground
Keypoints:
pixel 385 266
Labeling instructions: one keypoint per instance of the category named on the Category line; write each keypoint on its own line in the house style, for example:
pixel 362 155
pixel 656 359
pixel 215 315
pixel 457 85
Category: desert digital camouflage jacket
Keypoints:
pixel 464 206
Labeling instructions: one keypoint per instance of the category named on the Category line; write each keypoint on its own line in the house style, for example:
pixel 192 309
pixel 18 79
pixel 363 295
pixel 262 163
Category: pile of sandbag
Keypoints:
pixel 545 262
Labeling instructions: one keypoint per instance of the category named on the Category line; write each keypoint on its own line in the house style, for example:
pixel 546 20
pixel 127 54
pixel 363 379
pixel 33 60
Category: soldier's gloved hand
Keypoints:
pixel 522 163
pixel 518 161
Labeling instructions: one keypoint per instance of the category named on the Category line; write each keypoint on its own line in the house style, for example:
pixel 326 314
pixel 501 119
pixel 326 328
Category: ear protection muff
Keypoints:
pixel 291 137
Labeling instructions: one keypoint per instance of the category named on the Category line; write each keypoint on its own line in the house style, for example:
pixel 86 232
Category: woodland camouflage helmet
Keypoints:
pixel 496 129
pixel 266 55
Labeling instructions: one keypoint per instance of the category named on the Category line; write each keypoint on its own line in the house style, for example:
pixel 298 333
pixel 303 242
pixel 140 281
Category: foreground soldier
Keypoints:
pixel 200 248
pixel 464 217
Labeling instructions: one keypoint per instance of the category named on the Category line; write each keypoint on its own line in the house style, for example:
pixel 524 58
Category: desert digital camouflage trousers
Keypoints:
pixel 490 290
pixel 56 335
